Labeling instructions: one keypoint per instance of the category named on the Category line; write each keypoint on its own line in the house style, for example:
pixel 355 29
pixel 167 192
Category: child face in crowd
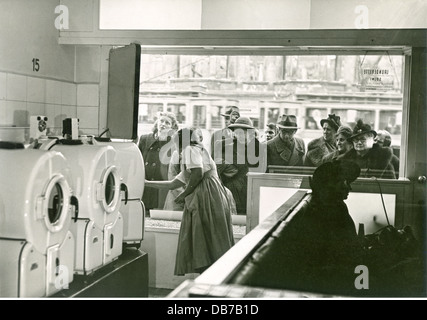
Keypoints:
pixel 328 132
pixel 363 143
pixel 342 144
pixel 269 134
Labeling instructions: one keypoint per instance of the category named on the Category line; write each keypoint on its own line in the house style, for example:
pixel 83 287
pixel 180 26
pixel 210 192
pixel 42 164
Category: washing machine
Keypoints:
pixel 96 181
pixel 133 176
pixel 37 206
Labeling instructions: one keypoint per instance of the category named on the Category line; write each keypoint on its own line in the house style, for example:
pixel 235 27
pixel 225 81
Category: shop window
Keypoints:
pixel 365 87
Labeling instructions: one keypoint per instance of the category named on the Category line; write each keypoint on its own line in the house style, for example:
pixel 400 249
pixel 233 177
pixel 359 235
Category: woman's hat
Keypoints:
pixel 243 123
pixel 333 120
pixel 345 131
pixel 287 122
pixel 362 128
pixel 230 111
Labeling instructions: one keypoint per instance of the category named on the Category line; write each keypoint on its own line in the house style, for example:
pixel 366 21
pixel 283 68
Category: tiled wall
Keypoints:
pixel 23 96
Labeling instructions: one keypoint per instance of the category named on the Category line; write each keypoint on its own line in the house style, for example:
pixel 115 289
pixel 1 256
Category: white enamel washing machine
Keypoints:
pixel 37 206
pixel 133 176
pixel 96 181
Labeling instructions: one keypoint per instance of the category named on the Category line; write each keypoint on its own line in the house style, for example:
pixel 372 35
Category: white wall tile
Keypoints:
pixel 3 89
pixel 35 109
pixel 69 94
pixel 69 111
pixel 16 113
pixel 88 117
pixel 49 111
pixel 55 115
pixel 36 90
pixel 16 87
pixel 88 95
pixel 53 92
pixel 88 63
pixel 3 110
pixel 89 131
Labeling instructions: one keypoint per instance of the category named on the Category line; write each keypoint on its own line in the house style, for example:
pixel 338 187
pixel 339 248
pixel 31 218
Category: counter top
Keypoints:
pixel 175 225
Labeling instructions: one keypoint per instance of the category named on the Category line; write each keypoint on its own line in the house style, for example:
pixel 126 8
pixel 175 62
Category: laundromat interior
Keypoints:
pixel 81 80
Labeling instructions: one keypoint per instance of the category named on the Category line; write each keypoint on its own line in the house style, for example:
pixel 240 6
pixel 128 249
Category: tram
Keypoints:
pixel 191 109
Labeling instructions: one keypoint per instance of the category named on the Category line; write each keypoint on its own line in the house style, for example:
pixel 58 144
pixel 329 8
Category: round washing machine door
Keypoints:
pixel 132 167
pixel 35 197
pixel 54 203
pixel 108 191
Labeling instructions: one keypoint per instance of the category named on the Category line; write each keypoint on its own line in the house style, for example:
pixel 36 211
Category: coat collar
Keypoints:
pixel 380 157
pixel 281 146
pixel 290 155
pixel 152 139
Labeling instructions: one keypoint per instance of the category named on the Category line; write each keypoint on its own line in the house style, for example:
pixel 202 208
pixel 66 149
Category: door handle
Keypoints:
pixel 422 179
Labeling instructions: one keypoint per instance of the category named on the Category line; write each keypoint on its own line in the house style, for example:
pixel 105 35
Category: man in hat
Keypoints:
pixel 231 115
pixel 285 149
pixel 236 156
pixel 369 155
pixel 320 147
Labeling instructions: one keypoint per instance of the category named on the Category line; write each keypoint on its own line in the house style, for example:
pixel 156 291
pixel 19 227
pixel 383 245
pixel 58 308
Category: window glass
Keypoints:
pixel 179 110
pixel 110 189
pixel 199 89
pixel 56 203
pixel 216 118
pixel 199 116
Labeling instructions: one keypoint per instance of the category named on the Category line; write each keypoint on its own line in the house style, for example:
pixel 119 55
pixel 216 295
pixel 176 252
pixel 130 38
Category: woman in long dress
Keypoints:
pixel 206 232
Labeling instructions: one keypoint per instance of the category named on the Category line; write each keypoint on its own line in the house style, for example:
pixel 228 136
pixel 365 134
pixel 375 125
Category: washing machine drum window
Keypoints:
pixel 56 204
pixel 53 205
pixel 109 193
pixel 109 190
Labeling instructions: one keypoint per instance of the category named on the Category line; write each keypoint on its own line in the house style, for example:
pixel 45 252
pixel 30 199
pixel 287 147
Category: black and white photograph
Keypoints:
pixel 213 155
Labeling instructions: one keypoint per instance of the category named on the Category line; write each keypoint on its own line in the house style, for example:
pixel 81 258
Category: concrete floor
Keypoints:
pixel 158 292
